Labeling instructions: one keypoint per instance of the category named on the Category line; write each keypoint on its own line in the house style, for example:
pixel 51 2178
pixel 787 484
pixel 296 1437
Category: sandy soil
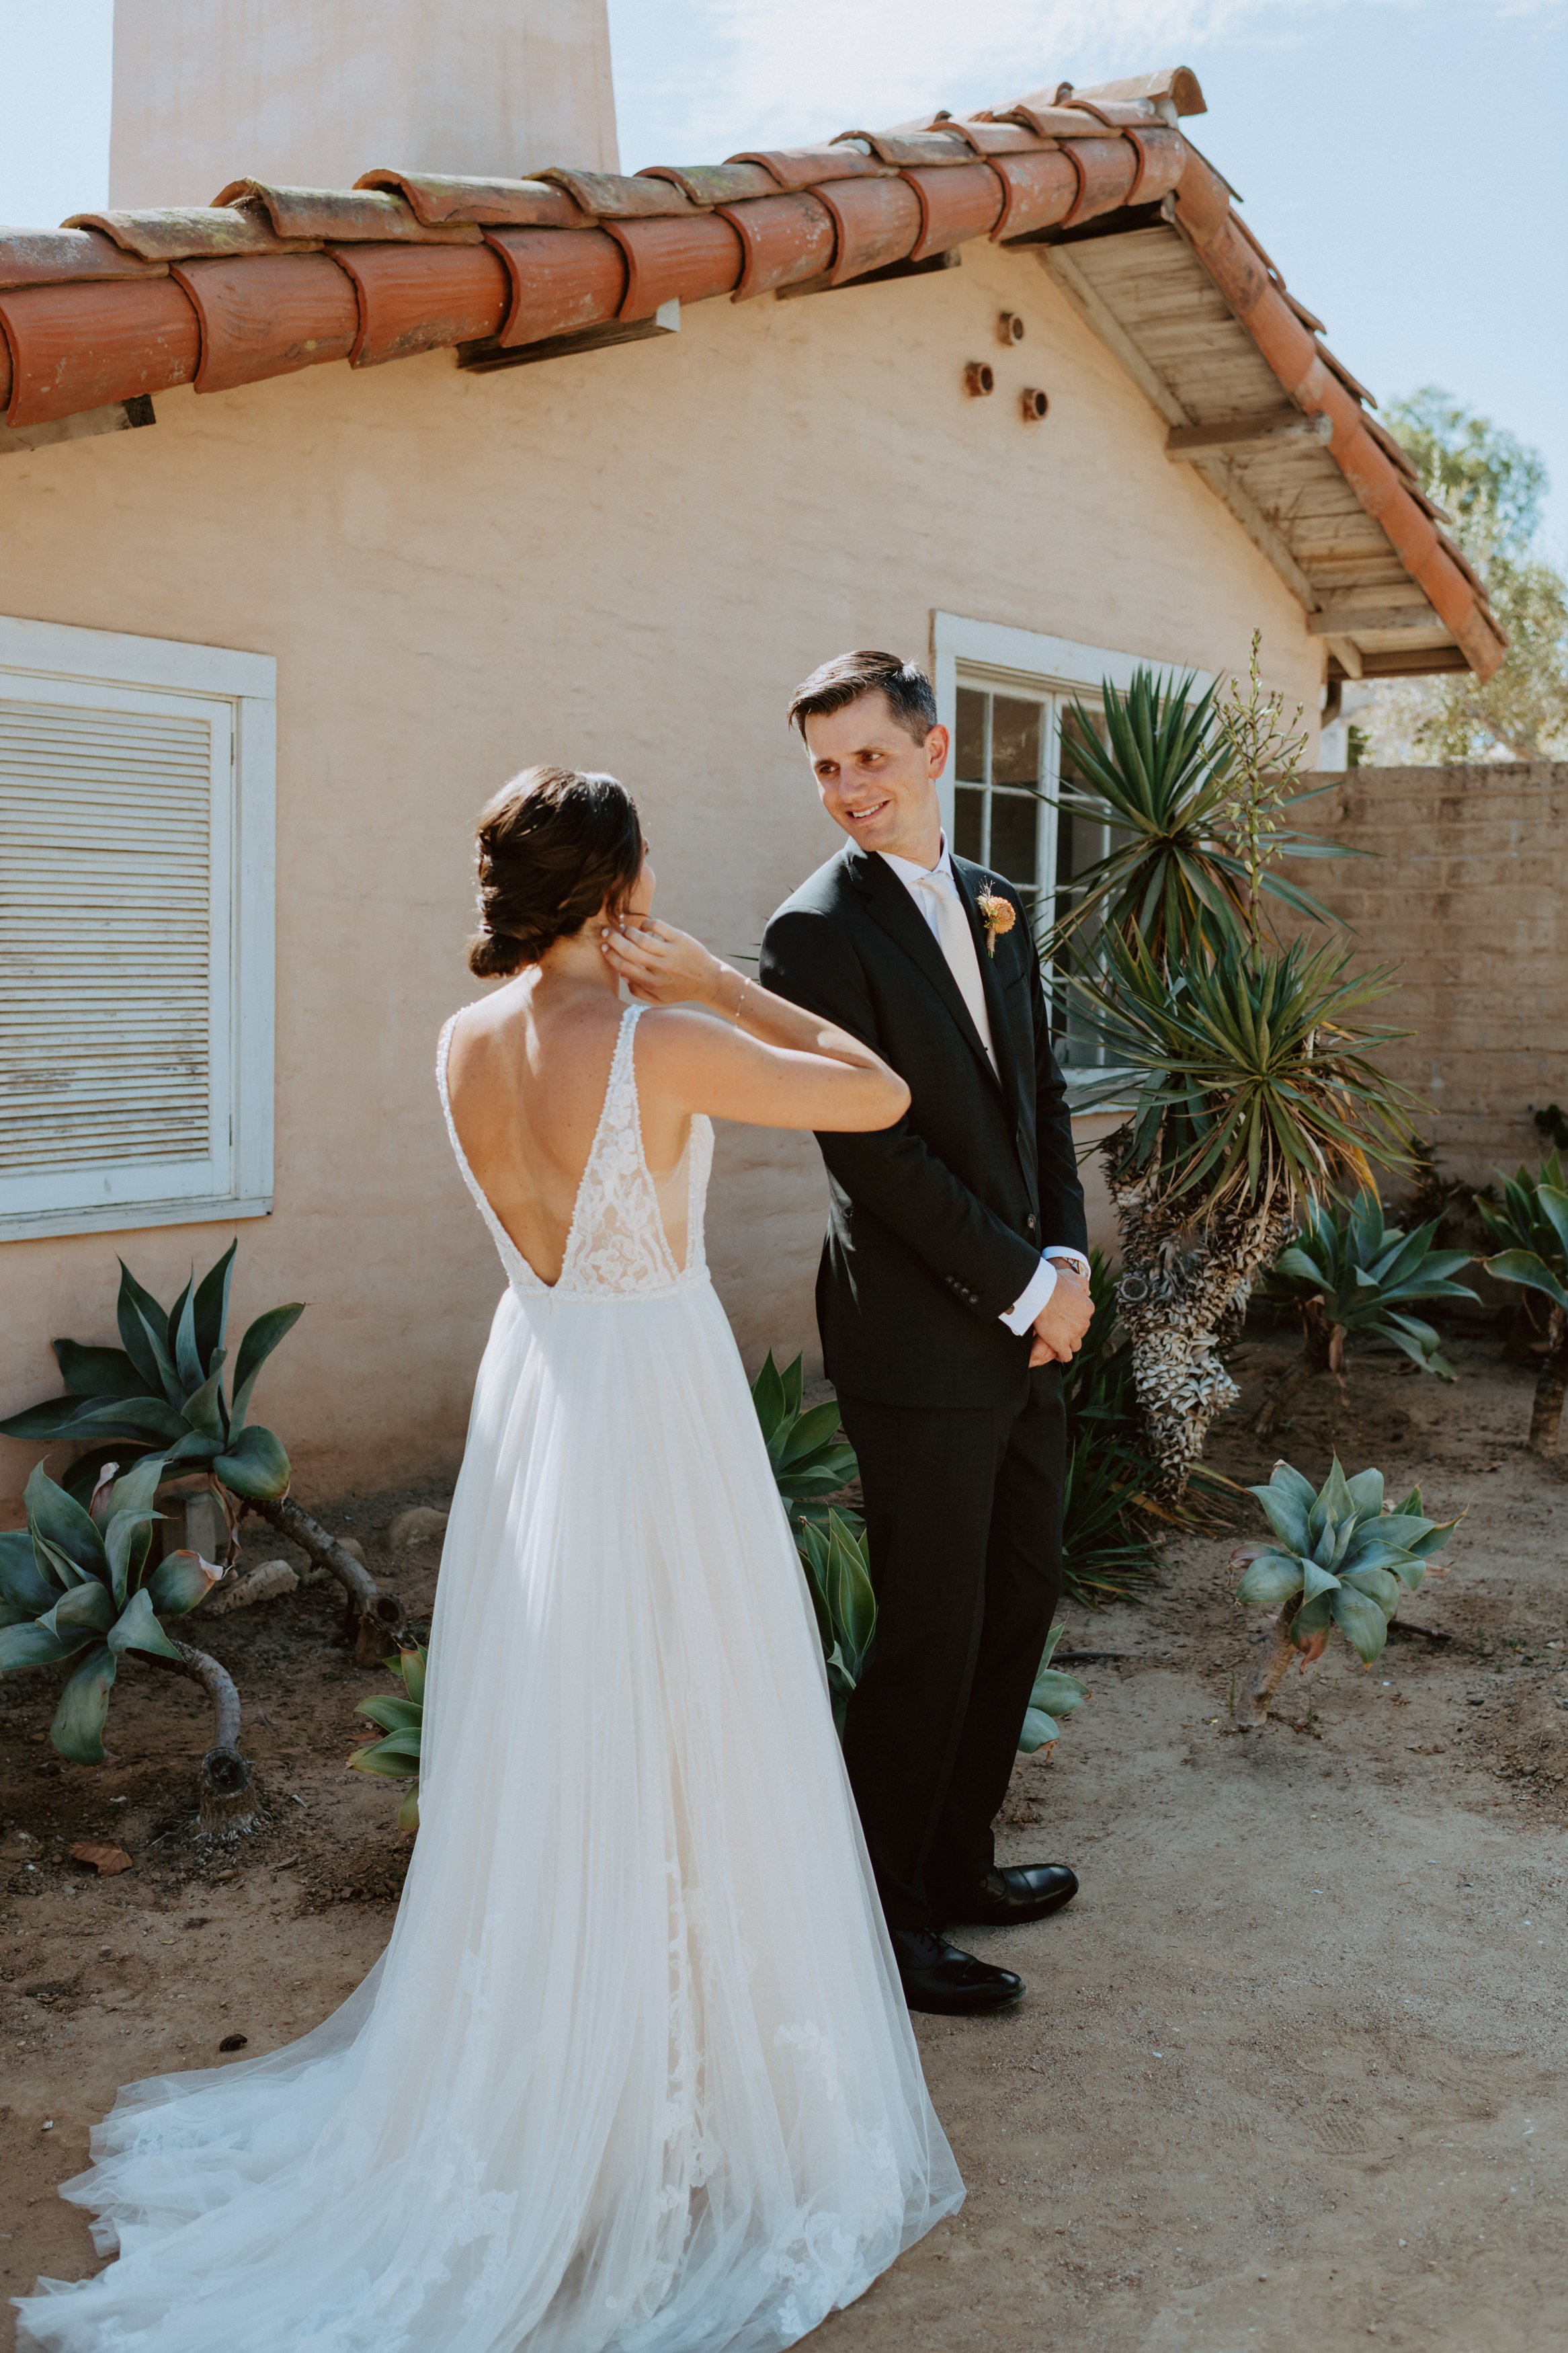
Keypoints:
pixel 1289 2071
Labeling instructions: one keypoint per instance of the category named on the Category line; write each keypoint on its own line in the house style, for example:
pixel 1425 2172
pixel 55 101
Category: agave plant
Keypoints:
pixel 1352 1274
pixel 839 1577
pixel 1162 774
pixel 1253 1093
pixel 79 1589
pixel 1530 1222
pixel 1340 1556
pixel 1055 1694
pixel 164 1389
pixel 810 1457
pixel 401 1721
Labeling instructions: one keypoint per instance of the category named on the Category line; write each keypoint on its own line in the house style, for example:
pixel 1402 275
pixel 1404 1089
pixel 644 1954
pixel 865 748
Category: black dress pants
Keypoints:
pixel 963 1513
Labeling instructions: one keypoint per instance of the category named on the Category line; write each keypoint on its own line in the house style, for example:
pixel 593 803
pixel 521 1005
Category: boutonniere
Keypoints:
pixel 998 916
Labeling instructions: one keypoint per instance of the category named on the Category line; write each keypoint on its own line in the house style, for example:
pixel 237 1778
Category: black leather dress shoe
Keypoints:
pixel 1023 1891
pixel 938 1977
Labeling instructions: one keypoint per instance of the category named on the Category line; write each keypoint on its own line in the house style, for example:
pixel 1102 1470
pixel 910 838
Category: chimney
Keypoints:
pixel 311 93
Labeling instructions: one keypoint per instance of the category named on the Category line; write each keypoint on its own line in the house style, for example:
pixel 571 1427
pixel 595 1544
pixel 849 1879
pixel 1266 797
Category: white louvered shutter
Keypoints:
pixel 116 814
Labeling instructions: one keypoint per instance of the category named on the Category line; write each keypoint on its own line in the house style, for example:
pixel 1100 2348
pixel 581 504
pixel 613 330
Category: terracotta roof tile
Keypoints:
pixel 415 261
pixel 53 257
pixel 180 233
pixel 346 214
pixel 436 200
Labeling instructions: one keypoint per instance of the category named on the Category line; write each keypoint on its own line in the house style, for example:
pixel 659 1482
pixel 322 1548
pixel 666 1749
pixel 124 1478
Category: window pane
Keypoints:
pixel 1014 741
pixel 969 754
pixel 1015 836
pixel 968 821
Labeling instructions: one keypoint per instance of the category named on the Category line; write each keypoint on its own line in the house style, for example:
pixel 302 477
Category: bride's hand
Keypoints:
pixel 664 966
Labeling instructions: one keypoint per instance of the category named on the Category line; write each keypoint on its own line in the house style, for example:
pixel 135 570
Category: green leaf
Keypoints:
pixel 408 1812
pixel 88 1608
pixel 1366 1493
pixel 60 1519
pixel 1316 1580
pixel 411 1664
pixel 254 1350
pixel 23 1585
pixel 255 1466
pixel 135 1489
pixel 394 1756
pixel 1378 1586
pixel 97 1372
pixel 211 1305
pixel 1055 1692
pixel 78 1728
pixel 128 1541
pixel 1272 1578
pixel 137 1629
pixel 143 1330
pixel 392 1714
pixel 1286 1508
pixel 36 1646
pixel 188 1366
pixel 793 1380
pixel 768 1398
pixel 812 1431
pixel 84 1418
pixel 203 1407
pixel 1524 1267
pixel 1360 1621
pixel 1312 1619
pixel 1037 1729
pixel 179 1580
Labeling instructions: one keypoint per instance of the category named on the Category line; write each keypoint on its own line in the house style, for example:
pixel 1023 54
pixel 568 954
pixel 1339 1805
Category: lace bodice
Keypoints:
pixel 616 1247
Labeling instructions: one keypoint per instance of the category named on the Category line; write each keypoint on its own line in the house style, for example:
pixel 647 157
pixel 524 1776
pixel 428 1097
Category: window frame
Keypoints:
pixel 64 657
pixel 998 658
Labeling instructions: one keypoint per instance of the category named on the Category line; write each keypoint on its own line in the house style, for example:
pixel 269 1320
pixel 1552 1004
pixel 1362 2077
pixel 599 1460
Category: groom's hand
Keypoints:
pixel 1059 1326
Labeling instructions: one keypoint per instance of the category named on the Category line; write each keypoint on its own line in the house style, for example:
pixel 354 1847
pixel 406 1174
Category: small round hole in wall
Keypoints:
pixel 979 379
pixel 1035 407
pixel 1010 329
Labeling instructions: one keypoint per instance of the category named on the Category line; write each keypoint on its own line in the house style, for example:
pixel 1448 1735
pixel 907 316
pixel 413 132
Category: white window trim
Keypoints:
pixel 247 682
pixel 994 654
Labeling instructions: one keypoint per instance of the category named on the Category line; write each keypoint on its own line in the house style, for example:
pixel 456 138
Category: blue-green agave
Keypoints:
pixel 1341 1557
pixel 1531 1224
pixel 810 1457
pixel 838 1575
pixel 78 1589
pixel 164 1387
pixel 1055 1694
pixel 401 1721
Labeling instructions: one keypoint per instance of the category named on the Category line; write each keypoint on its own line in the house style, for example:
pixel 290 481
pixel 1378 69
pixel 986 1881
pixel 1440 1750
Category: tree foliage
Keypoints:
pixel 1492 487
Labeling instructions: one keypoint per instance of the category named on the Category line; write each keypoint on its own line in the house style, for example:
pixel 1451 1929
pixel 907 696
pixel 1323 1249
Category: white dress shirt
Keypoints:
pixel 935 893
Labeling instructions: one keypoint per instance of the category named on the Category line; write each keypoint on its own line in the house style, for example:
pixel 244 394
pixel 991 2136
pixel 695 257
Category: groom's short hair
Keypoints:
pixel 847 677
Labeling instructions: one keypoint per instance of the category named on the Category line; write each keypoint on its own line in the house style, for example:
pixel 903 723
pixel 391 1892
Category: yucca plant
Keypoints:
pixel 401 1721
pixel 1530 1222
pixel 1351 1275
pixel 838 1578
pixel 1162 774
pixel 1253 1093
pixel 1055 1694
pixel 164 1389
pixel 79 1588
pixel 1339 1555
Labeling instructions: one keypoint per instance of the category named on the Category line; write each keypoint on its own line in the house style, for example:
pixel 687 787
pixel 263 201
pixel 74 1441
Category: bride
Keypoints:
pixel 635 2071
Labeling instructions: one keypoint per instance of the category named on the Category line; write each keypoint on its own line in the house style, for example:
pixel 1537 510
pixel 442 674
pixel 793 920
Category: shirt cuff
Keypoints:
pixel 1028 1304
pixel 1064 1250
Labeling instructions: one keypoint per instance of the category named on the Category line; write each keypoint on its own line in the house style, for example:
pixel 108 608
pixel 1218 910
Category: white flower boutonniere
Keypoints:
pixel 998 916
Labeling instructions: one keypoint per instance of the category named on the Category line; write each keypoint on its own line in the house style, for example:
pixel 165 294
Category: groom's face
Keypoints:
pixel 876 780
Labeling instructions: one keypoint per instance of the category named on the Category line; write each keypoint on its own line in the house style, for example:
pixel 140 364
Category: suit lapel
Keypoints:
pixel 890 907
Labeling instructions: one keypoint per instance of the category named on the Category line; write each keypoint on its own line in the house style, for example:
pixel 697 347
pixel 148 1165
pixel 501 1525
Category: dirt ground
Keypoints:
pixel 1290 2071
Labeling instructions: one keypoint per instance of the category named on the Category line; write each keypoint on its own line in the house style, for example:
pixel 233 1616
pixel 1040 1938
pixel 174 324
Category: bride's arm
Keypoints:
pixel 767 1062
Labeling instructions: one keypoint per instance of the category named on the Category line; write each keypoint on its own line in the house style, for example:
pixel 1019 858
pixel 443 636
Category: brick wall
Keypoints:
pixel 1467 892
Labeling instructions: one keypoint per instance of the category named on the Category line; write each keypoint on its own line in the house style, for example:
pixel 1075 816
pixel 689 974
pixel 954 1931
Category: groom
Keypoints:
pixel 953 1289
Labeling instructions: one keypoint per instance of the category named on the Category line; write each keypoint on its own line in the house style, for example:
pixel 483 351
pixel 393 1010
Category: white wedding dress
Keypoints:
pixel 634 2071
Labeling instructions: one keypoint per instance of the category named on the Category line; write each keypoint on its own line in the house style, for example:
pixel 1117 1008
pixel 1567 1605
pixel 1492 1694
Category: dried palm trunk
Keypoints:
pixel 1184 1281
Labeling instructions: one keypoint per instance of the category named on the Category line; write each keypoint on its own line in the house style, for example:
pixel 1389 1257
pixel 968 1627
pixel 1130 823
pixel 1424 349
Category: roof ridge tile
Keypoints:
pixel 435 198
pixel 345 214
pixel 612 195
pixel 188 232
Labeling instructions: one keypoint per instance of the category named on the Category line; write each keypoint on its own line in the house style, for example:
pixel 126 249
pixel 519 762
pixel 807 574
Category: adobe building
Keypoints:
pixel 433 446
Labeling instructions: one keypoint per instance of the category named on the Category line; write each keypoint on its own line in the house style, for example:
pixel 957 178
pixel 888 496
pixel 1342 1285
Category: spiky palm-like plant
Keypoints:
pixel 1531 1224
pixel 1353 1275
pixel 1253 1093
pixel 1162 776
pixel 79 1588
pixel 1339 1555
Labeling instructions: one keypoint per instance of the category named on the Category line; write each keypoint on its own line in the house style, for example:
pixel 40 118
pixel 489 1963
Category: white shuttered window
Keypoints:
pixel 135 931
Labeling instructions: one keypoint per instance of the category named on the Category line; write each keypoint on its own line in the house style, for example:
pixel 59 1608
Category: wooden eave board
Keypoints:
pixel 1169 308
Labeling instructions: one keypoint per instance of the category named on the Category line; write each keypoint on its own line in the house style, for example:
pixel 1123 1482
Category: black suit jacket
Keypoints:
pixel 936 1224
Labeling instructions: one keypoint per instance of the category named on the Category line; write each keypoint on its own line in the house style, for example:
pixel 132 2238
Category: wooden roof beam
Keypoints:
pixel 1236 435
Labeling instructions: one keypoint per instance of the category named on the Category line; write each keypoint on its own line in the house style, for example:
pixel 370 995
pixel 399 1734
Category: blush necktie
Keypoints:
pixel 937 897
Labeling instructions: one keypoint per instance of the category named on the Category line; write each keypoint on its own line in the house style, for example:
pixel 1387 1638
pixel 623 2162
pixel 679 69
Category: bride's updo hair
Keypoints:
pixel 555 847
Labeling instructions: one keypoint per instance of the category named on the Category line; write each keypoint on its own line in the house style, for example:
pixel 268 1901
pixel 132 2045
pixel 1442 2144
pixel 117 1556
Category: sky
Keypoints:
pixel 1400 159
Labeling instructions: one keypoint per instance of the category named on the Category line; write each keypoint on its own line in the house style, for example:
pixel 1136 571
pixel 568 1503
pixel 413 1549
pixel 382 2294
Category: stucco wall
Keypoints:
pixel 1464 892
pixel 622 561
